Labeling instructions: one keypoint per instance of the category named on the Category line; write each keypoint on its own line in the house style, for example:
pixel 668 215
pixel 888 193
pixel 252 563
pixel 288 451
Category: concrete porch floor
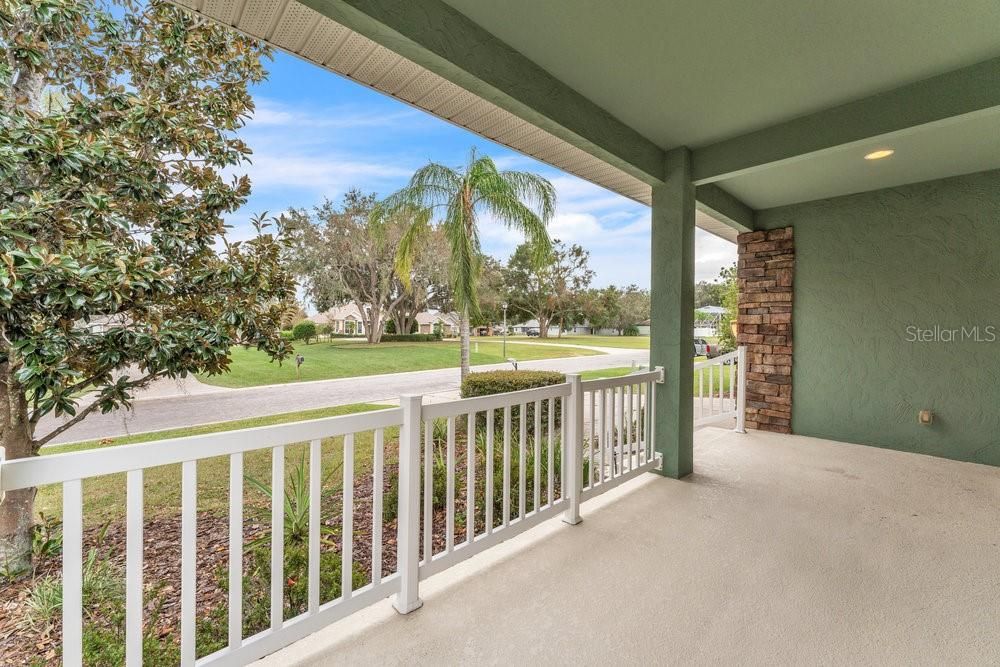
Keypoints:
pixel 780 549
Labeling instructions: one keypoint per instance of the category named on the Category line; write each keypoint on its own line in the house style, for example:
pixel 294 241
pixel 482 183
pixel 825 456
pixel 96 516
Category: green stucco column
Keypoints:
pixel 672 332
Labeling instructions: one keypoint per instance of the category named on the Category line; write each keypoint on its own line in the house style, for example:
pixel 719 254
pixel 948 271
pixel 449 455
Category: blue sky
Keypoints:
pixel 315 135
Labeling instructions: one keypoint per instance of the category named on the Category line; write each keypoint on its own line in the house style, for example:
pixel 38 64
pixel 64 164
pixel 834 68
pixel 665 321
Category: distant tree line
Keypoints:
pixel 343 252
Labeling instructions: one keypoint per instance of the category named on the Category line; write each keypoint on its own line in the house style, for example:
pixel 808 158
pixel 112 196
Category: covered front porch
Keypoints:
pixel 777 550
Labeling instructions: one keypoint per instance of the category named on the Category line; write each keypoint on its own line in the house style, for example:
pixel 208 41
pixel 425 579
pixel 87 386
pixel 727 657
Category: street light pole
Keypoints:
pixel 504 330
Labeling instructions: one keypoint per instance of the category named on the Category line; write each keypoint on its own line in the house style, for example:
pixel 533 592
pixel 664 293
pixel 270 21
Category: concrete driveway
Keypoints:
pixel 194 403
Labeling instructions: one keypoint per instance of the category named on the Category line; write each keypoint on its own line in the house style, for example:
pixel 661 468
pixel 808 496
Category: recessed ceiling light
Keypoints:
pixel 879 154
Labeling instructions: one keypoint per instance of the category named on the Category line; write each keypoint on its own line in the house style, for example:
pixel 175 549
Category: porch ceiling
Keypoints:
pixel 779 102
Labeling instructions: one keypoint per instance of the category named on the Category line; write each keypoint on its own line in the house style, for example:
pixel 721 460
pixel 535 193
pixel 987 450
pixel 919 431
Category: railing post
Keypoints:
pixel 408 526
pixel 574 450
pixel 741 389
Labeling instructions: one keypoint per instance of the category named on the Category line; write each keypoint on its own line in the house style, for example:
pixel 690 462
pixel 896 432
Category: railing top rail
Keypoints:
pixel 716 361
pixel 55 468
pixel 621 381
pixel 480 403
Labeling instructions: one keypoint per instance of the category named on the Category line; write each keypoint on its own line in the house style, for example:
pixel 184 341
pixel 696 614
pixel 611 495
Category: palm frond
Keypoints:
pixel 406 252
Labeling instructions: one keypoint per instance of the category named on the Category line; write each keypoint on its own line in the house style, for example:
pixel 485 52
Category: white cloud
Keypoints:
pixel 324 174
pixel 271 113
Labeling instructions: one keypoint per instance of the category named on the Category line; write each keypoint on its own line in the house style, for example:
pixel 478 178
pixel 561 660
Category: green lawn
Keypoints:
pixel 352 358
pixel 104 497
pixel 607 373
pixel 630 342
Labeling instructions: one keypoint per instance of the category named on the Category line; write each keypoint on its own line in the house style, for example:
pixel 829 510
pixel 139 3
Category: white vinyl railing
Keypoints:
pixel 546 449
pixel 720 392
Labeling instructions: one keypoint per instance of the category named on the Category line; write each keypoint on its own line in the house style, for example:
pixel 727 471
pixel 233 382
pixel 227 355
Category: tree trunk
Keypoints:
pixel 543 327
pixel 17 509
pixel 373 327
pixel 465 342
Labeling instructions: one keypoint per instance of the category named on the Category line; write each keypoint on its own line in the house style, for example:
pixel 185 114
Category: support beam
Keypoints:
pixel 444 41
pixel 940 99
pixel 672 331
pixel 724 207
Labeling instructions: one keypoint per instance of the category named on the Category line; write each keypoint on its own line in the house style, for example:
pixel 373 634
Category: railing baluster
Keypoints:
pixel 378 482
pixel 640 422
pixel 315 506
pixel 347 524
pixel 722 388
pixel 133 569
pixel 551 451
pixel 428 490
pixel 189 555
pixel 619 394
pixel 711 391
pixel 450 488
pixel 522 464
pixel 506 465
pixel 72 572
pixel 490 416
pixel 277 537
pixel 236 550
pixel 536 467
pixel 593 420
pixel 701 392
pixel 563 439
pixel 628 424
pixel 470 479
pixel 732 379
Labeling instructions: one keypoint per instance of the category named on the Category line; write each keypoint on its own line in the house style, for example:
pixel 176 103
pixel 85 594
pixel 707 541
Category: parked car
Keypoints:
pixel 533 332
pixel 702 348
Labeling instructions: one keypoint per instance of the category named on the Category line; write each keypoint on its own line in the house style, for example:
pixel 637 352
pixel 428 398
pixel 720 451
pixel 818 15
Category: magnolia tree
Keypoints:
pixel 116 125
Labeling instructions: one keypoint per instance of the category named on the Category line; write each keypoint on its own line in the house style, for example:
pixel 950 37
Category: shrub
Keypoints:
pixel 631 330
pixel 490 383
pixel 411 338
pixel 304 330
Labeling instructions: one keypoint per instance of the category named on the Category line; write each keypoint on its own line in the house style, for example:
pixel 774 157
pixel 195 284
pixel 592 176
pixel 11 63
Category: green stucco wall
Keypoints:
pixel 868 267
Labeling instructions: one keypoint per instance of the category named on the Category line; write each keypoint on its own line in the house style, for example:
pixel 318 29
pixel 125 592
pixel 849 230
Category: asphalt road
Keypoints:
pixel 203 405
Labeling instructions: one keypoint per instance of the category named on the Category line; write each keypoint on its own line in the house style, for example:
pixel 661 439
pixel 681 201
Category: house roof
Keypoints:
pixel 342 312
pixel 433 316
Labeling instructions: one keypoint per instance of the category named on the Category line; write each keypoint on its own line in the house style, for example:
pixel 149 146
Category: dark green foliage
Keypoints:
pixel 305 330
pixel 412 338
pixel 500 382
pixel 630 330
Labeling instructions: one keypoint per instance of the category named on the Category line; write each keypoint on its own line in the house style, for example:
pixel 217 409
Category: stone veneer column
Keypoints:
pixel 764 274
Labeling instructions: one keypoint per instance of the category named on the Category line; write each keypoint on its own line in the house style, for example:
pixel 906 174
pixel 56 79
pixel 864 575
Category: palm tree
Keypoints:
pixel 520 201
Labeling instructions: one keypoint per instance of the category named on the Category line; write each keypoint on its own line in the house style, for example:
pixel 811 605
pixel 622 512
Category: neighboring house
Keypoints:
pixel 524 327
pixel 345 319
pixel 450 323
